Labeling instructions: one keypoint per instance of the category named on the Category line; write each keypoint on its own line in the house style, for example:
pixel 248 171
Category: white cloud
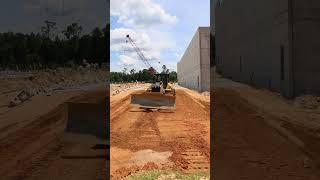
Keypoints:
pixel 135 17
pixel 172 67
pixel 178 55
pixel 140 13
pixel 118 40
pixel 127 60
pixel 150 47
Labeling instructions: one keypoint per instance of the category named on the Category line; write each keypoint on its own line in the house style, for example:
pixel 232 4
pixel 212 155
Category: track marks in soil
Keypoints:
pixel 19 144
pixel 42 159
pixel 185 132
pixel 142 134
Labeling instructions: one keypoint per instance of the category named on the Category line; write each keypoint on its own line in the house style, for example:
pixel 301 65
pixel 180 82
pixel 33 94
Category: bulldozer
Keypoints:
pixel 160 95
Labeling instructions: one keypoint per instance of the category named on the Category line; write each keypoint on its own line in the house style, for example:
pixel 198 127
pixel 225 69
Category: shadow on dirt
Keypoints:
pixel 88 116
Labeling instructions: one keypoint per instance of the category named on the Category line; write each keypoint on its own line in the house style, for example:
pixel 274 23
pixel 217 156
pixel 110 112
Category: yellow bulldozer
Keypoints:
pixel 160 95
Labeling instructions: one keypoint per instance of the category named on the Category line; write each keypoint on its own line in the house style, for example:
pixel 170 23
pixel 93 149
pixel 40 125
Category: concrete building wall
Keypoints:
pixel 270 43
pixel 194 67
pixel 204 58
pixel 188 68
pixel 249 37
pixel 306 43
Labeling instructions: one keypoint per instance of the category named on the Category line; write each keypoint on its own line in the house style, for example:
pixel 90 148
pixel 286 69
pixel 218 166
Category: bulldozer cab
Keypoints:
pixel 164 78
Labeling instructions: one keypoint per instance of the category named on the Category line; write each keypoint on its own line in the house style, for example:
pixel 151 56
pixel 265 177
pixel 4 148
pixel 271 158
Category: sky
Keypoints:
pixel 29 15
pixel 162 29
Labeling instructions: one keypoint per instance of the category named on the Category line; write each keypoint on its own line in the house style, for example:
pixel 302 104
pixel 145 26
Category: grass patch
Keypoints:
pixel 167 175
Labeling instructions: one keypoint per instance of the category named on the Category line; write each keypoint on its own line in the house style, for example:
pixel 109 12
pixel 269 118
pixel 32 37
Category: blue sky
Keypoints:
pixel 163 30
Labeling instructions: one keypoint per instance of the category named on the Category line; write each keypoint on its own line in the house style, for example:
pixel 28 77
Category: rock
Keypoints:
pixel 14 103
pixel 20 98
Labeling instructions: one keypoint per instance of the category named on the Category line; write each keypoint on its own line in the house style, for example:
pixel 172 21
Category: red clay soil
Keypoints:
pixel 126 171
pixel 184 132
pixel 245 147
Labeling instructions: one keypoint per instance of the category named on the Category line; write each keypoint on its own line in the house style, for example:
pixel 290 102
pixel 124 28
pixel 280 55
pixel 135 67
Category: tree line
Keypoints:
pixel 50 48
pixel 140 76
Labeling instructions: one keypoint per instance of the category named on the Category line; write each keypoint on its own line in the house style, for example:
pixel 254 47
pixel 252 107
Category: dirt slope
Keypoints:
pixel 245 147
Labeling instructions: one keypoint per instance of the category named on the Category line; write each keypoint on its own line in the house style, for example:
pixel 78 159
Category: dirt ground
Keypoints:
pixel 34 144
pixel 45 82
pixel 260 135
pixel 145 140
pixel 116 89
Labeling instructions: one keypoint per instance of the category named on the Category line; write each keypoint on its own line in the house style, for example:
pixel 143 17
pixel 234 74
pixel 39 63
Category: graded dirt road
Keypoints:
pixel 144 140
pixel 34 144
pixel 246 147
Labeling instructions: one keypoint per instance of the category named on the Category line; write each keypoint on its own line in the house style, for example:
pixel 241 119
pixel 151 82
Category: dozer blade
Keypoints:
pixel 153 100
pixel 86 116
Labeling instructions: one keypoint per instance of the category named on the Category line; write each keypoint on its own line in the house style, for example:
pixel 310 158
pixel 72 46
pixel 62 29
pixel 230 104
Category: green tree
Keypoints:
pixel 173 76
pixel 72 31
pixel 48 29
pixel 46 49
pixel 125 70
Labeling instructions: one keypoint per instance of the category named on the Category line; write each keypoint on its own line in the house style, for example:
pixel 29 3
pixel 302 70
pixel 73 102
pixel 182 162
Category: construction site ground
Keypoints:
pixel 258 134
pixel 165 139
pixel 34 144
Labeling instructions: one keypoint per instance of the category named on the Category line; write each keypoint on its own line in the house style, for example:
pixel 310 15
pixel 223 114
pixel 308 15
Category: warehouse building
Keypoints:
pixel 194 67
pixel 269 44
pixel 212 39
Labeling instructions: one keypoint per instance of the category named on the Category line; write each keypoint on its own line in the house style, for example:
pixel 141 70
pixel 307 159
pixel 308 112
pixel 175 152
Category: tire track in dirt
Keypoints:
pixel 193 153
pixel 25 143
pixel 119 107
pixel 42 159
pixel 142 134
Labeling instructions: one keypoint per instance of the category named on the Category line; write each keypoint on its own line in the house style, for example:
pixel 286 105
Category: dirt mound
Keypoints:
pixel 307 102
pixel 13 87
pixel 118 88
pixel 206 93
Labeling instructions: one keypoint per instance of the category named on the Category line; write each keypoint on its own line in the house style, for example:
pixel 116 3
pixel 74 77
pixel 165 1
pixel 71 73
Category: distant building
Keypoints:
pixel 269 44
pixel 193 69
